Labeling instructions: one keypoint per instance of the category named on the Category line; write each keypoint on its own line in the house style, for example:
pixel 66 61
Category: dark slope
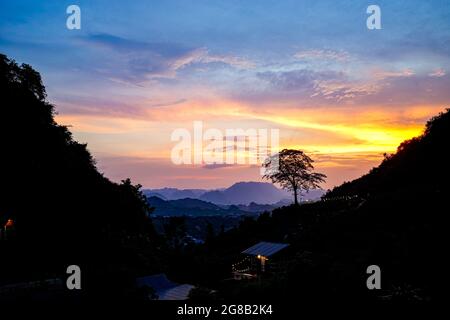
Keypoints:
pixel 64 211
pixel 421 163
pixel 189 207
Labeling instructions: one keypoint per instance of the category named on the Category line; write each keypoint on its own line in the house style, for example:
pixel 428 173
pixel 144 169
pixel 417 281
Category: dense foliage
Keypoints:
pixel 64 211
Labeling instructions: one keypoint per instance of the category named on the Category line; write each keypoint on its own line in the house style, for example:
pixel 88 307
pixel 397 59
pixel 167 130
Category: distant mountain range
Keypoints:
pixel 241 193
pixel 199 208
pixel 174 193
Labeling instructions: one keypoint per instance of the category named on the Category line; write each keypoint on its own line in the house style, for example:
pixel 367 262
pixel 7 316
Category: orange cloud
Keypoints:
pixel 353 138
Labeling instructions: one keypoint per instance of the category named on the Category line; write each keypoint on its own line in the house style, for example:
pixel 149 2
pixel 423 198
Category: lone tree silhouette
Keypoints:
pixel 293 170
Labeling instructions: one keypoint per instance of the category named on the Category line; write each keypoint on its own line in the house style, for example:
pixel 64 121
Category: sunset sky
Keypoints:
pixel 137 70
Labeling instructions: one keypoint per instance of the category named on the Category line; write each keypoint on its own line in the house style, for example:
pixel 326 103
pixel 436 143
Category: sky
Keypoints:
pixel 138 70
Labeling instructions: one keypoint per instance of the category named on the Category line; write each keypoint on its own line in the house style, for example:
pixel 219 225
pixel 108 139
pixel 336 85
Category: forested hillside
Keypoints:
pixel 63 211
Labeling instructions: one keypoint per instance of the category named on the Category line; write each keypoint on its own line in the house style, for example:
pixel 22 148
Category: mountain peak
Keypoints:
pixel 246 192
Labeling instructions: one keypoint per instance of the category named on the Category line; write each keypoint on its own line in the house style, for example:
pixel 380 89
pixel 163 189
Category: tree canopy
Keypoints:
pixel 293 170
pixel 64 210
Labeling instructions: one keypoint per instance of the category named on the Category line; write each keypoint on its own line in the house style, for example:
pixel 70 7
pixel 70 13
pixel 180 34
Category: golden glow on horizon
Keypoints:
pixel 367 136
pixel 372 138
pixel 332 131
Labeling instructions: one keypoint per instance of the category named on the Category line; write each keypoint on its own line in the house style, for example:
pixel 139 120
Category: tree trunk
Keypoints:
pixel 295 197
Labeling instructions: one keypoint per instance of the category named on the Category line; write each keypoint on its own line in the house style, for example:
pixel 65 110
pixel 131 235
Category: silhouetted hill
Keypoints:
pixel 419 163
pixel 74 215
pixel 191 207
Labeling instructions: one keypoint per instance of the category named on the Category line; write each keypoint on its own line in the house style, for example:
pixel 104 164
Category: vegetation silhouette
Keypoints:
pixel 294 171
pixel 64 210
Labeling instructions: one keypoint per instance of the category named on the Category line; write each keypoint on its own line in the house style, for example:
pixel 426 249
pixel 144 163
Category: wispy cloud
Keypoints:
pixel 383 74
pixel 437 73
pixel 323 54
pixel 302 79
pixel 325 84
pixel 96 106
pixel 168 103
pixel 343 90
pixel 203 56
pixel 145 60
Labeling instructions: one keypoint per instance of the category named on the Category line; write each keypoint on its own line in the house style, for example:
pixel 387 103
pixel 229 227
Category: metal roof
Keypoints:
pixel 180 292
pixel 265 249
pixel 164 288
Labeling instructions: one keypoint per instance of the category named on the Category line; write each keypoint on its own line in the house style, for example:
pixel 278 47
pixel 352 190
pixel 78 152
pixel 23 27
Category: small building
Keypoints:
pixel 163 288
pixel 255 260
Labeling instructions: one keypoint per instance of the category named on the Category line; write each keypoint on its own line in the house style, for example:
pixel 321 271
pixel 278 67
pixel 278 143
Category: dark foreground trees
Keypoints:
pixel 64 211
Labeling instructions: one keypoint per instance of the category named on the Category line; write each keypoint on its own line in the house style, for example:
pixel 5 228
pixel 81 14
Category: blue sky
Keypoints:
pixel 138 69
